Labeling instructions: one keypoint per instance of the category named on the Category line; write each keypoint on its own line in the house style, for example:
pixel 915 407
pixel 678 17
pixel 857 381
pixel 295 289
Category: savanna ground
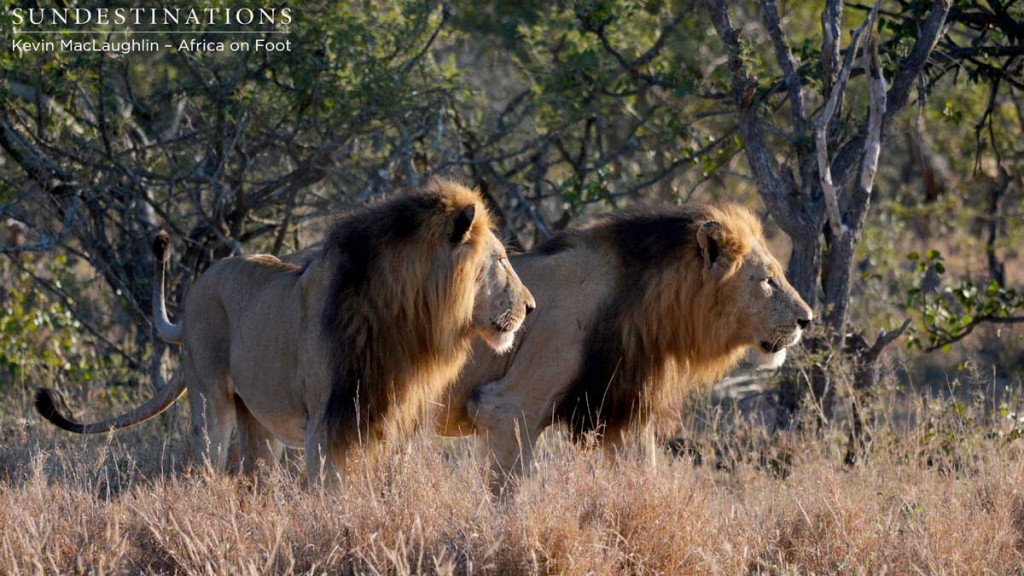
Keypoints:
pixel 939 492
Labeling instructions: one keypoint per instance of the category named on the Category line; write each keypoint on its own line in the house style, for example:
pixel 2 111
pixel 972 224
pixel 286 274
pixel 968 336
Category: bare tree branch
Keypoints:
pixel 38 166
pixel 821 127
pixel 876 114
pixel 47 243
pixel 784 56
pixel 831 20
pixel 837 281
pixel 633 67
pixel 909 70
pixel 884 340
pixel 778 193
pixel 986 319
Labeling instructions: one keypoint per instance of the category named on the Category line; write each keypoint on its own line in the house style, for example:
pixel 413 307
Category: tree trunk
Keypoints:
pixel 804 265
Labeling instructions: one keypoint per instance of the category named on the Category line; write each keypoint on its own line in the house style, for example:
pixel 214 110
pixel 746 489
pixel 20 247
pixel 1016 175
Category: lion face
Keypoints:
pixel 502 301
pixel 777 315
pixel 770 314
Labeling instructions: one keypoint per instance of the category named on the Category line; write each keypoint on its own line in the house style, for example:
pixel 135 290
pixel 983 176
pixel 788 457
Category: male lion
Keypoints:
pixel 627 306
pixel 348 347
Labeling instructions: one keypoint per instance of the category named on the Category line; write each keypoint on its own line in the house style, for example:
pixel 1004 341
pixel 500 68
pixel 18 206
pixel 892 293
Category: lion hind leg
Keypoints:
pixel 256 443
pixel 213 422
pixel 637 441
pixel 508 436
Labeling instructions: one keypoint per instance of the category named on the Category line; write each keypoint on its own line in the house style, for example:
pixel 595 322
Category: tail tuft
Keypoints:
pixel 161 243
pixel 46 405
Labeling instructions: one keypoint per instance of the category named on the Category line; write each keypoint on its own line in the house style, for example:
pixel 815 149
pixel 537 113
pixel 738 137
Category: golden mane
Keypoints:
pixel 399 306
pixel 667 322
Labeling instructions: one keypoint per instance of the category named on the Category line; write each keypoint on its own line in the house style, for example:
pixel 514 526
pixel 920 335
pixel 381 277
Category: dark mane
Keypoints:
pixel 355 239
pixel 621 372
pixel 354 245
pixel 644 236
pixel 397 306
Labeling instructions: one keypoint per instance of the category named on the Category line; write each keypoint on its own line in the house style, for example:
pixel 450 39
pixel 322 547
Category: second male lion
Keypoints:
pixel 347 348
pixel 627 306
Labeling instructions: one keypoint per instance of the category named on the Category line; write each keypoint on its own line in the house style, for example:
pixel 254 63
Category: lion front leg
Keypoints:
pixel 509 452
pixel 325 458
pixel 508 435
pixel 639 440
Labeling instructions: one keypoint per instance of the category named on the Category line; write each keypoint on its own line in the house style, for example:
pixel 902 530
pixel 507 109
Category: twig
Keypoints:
pixel 821 126
pixel 986 319
pixel 445 14
pixel 633 68
pixel 47 243
pixel 67 301
pixel 884 339
pixel 876 111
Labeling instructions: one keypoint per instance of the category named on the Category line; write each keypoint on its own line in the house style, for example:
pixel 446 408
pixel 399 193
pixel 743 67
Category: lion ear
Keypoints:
pixel 709 238
pixel 463 223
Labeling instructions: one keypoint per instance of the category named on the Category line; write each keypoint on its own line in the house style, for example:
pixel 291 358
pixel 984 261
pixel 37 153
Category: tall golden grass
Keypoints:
pixel 940 493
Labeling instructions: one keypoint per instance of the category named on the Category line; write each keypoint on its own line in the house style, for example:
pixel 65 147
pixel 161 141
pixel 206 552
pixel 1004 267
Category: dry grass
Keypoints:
pixel 922 503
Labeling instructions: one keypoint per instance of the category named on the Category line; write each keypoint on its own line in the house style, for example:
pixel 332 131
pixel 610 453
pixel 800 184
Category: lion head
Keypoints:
pixel 415 279
pixel 502 301
pixel 767 312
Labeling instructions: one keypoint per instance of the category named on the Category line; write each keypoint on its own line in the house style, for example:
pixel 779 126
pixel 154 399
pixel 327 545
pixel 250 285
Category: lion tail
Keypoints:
pixel 169 331
pixel 46 404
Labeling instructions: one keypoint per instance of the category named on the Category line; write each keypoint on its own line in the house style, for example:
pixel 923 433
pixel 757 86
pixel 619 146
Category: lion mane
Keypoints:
pixel 658 327
pixel 391 337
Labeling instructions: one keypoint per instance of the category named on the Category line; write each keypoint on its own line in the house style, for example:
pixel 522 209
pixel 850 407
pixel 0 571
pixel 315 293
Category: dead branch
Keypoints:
pixel 821 126
pixel 779 194
pixel 884 340
pixel 788 64
pixel 908 72
pixel 876 112
pixel 831 20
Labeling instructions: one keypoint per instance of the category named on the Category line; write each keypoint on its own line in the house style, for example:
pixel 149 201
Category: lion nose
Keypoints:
pixel 531 305
pixel 803 323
